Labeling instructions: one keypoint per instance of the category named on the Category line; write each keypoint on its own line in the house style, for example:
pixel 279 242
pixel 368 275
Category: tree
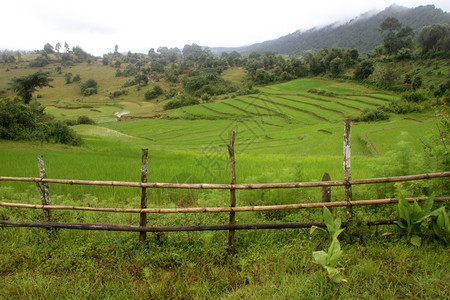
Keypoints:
pixel 392 25
pixel 336 66
pixel 57 47
pixel 66 47
pixel 24 86
pixel 68 77
pixel 434 37
pixel 364 69
pixel 89 87
pixel 116 49
pixel 48 48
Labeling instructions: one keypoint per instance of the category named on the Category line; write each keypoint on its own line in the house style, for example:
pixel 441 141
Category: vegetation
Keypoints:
pixel 288 115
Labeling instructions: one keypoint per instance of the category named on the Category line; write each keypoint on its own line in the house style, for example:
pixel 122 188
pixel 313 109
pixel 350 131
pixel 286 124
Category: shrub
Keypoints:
pixel 116 94
pixel 371 115
pixel 85 120
pixel 89 87
pixel 402 107
pixel 183 100
pixel 40 61
pixel 152 94
pixel 414 96
pixel 76 78
pixel 24 122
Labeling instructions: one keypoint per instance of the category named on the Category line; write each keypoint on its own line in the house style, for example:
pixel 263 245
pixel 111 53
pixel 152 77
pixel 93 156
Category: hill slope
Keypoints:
pixel 361 33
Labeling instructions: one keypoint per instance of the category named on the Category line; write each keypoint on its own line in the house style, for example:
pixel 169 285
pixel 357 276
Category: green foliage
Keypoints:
pixel 441 226
pixel 88 87
pixel 414 96
pixel 39 62
pixel 329 260
pixel 180 101
pixel 372 115
pixel 415 220
pixel 434 38
pixel 364 69
pixel 24 86
pixel 22 122
pixel 209 83
pixel 153 94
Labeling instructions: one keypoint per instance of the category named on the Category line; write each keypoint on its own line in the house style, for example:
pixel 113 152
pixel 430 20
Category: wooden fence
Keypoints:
pixel 42 184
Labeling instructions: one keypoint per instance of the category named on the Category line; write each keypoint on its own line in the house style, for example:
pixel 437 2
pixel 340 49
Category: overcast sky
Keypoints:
pixel 138 25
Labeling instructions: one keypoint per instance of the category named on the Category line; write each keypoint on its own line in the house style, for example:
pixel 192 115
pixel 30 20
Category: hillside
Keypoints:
pixel 361 33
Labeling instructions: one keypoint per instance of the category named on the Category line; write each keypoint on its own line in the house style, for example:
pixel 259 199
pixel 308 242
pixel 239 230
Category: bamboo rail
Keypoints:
pixel 119 227
pixel 220 209
pixel 221 186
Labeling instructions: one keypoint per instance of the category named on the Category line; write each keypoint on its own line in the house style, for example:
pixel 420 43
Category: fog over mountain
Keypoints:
pixel 361 32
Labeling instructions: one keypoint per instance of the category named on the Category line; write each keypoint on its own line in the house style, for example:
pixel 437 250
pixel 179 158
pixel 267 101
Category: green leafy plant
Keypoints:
pixel 441 226
pixel 414 219
pixel 329 260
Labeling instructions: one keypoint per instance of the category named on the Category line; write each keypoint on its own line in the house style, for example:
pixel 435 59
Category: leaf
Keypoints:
pixel 416 240
pixel 337 233
pixel 333 274
pixel 334 253
pixel 337 223
pixel 320 257
pixel 328 219
pixel 403 210
pixel 417 212
pixel 428 204
pixel 400 224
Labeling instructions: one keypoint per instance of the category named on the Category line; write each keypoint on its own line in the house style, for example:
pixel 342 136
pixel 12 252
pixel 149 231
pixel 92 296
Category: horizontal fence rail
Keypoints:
pixel 134 228
pixel 220 186
pixel 221 209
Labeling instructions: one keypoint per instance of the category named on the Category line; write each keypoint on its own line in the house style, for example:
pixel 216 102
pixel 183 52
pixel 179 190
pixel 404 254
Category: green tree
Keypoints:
pixel 48 48
pixel 89 87
pixel 364 69
pixel 25 86
pixel 434 37
pixel 392 25
pixel 336 66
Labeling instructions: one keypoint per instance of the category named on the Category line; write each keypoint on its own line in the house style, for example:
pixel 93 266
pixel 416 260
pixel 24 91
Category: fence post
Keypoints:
pixel 347 169
pixel 144 178
pixel 44 193
pixel 326 190
pixel 231 237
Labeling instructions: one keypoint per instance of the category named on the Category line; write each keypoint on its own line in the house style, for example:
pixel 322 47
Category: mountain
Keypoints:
pixel 361 33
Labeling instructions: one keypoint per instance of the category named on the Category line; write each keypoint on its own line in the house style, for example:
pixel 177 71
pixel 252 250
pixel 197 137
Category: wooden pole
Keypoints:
pixel 326 190
pixel 44 192
pixel 144 178
pixel 347 169
pixel 231 235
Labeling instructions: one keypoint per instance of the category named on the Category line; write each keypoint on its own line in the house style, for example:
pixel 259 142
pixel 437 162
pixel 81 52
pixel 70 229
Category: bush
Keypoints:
pixel 39 62
pixel 89 87
pixel 183 100
pixel 371 115
pixel 402 107
pixel 157 90
pixel 414 96
pixel 58 132
pixel 76 78
pixel 85 120
pixel 116 94
pixel 24 122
